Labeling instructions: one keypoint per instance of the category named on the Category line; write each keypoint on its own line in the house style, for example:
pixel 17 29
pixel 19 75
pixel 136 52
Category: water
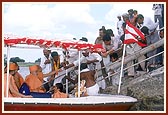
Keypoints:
pixel 24 71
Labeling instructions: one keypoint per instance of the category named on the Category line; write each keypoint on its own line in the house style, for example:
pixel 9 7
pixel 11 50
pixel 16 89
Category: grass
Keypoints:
pixel 26 64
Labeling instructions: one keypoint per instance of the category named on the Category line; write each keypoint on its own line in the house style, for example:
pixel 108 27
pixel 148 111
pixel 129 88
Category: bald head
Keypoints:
pixel 46 52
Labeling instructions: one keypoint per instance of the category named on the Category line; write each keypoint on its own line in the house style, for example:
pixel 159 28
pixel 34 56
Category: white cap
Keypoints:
pixel 125 15
pixel 118 16
pixel 85 70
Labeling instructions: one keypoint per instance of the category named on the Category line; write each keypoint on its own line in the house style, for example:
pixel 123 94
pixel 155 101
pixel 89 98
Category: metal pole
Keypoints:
pixel 79 77
pixel 121 72
pixel 7 78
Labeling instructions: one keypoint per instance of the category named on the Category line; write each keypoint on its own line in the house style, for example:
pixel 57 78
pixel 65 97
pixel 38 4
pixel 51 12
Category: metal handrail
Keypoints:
pixel 119 61
pixel 131 66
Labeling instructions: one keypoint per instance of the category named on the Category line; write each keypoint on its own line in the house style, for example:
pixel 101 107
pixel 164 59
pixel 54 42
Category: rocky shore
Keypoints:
pixel 148 88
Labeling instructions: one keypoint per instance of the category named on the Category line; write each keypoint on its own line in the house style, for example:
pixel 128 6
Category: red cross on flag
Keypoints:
pixel 133 35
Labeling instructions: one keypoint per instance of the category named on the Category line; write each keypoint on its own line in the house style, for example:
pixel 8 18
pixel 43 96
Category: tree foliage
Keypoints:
pixel 38 60
pixel 5 59
pixel 16 59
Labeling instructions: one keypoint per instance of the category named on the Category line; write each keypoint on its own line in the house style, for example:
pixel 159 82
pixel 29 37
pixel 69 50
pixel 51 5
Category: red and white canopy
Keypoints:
pixel 53 43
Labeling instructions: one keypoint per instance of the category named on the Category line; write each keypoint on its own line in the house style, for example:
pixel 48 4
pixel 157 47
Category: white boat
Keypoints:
pixel 101 102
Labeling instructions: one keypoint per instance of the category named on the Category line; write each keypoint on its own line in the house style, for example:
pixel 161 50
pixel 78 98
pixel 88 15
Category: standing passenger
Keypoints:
pixel 152 35
pixel 158 14
pixel 119 26
pixel 56 67
pixel 46 67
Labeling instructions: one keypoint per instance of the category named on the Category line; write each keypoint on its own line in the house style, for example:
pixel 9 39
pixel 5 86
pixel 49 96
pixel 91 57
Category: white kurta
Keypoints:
pixel 46 68
pixel 150 24
pixel 90 57
pixel 114 45
pixel 120 28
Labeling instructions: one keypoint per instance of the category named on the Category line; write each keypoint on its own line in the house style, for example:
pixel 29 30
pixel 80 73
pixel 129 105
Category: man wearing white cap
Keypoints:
pixel 46 66
pixel 87 75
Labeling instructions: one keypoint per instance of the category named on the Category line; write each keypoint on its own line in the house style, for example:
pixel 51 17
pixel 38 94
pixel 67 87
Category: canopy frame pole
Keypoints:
pixel 79 76
pixel 7 78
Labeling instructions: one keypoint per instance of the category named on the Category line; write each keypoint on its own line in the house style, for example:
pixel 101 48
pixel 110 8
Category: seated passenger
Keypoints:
pixel 18 77
pixel 12 88
pixel 35 79
pixel 35 84
pixel 58 91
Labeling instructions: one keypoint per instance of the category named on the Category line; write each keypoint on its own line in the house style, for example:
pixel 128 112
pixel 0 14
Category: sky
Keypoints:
pixel 63 21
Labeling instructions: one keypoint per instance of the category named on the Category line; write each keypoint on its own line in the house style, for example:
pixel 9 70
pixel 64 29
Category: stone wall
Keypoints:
pixel 148 88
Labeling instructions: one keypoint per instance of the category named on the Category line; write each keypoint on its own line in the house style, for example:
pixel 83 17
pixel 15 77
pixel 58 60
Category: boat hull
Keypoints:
pixel 89 103
pixel 55 107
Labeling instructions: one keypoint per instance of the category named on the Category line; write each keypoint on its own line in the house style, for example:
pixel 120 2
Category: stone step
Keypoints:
pixel 156 107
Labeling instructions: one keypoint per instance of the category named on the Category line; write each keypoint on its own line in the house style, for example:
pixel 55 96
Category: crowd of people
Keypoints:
pixel 43 77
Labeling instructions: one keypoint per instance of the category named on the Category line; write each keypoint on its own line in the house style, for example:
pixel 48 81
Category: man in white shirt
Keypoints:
pixel 158 14
pixel 92 60
pixel 119 26
pixel 146 21
pixel 72 56
pixel 111 44
pixel 152 34
pixel 46 67
pixel 130 50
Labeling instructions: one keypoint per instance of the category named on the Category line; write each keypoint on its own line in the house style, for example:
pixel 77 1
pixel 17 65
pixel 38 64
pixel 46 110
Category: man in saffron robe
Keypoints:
pixel 12 88
pixel 35 84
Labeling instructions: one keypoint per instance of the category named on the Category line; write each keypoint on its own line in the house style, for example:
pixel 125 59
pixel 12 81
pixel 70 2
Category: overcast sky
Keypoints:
pixel 60 20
